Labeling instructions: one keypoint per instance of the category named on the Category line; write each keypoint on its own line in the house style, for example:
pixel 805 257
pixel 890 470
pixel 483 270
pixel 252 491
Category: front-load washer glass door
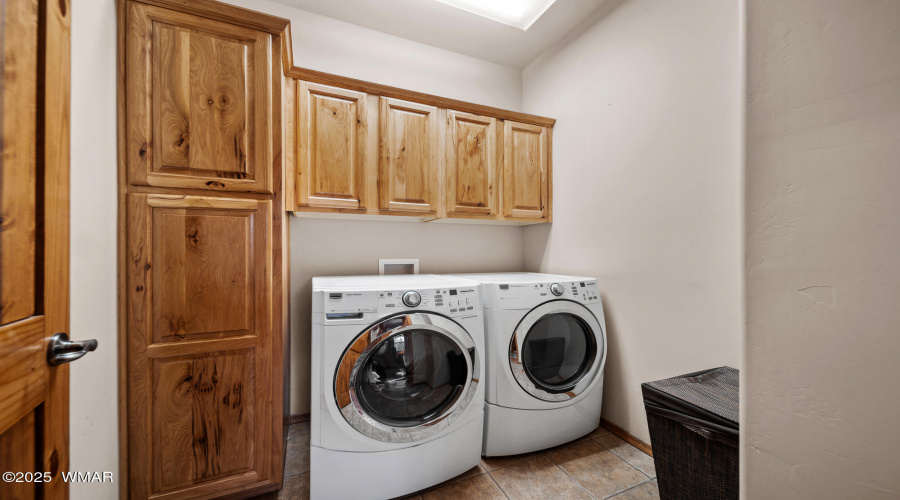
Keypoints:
pixel 407 378
pixel 557 350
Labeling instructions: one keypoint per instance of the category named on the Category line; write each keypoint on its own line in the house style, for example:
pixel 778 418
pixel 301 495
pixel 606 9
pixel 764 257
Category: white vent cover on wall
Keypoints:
pixel 398 266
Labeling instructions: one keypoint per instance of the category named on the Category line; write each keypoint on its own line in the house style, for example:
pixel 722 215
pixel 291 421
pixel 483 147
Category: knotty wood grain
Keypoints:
pixel 525 171
pixel 313 76
pixel 206 408
pixel 214 319
pixel 471 164
pixel 411 157
pixel 18 169
pixel 332 142
pixel 198 102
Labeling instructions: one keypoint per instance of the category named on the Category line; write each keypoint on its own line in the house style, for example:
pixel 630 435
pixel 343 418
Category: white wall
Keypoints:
pixel 647 185
pixel 319 43
pixel 93 409
pixel 334 46
pixel 821 396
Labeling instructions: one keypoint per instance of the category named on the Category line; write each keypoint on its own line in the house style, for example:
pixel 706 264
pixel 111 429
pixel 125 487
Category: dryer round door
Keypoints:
pixel 557 350
pixel 407 377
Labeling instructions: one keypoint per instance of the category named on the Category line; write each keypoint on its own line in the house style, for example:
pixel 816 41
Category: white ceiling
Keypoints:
pixel 440 25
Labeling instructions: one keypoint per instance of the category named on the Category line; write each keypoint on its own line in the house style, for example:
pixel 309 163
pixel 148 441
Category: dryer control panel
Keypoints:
pixel 453 302
pixel 526 295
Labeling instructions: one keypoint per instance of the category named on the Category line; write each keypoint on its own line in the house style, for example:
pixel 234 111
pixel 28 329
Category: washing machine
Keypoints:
pixel 397 401
pixel 546 349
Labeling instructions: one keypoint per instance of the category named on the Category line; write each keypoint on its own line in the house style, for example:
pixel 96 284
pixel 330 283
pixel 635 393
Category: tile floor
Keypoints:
pixel 597 466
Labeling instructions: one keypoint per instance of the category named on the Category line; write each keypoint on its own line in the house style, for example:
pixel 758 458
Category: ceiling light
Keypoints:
pixel 517 13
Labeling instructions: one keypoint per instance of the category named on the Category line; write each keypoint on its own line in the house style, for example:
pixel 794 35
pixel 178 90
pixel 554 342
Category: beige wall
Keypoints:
pixel 821 394
pixel 647 188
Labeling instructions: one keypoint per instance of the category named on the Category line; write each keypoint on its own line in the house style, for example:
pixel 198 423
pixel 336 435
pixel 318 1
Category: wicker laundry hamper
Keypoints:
pixel 694 434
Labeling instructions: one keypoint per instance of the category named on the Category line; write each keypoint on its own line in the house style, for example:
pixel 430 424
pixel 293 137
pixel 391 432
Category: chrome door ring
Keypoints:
pixel 345 377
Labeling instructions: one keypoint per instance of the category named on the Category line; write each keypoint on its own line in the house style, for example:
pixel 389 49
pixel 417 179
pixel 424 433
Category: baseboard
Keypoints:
pixel 296 418
pixel 625 436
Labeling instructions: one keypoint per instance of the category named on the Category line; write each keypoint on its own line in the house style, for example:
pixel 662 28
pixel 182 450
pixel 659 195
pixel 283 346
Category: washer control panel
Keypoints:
pixel 452 302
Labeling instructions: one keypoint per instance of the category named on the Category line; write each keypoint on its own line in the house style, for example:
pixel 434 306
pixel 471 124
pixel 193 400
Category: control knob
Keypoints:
pixel 412 298
pixel 556 289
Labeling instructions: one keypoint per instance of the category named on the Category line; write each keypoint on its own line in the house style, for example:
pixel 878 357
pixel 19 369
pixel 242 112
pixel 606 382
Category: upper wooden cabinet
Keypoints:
pixel 525 171
pixel 197 102
pixel 472 166
pixel 411 157
pixel 359 152
pixel 331 147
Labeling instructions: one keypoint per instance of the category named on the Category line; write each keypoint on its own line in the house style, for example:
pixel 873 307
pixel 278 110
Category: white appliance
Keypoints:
pixel 397 402
pixel 546 349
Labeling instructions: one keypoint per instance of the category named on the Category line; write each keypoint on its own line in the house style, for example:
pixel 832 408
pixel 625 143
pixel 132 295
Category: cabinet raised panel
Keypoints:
pixel 525 171
pixel 471 164
pixel 197 101
pixel 411 156
pixel 332 141
pixel 199 293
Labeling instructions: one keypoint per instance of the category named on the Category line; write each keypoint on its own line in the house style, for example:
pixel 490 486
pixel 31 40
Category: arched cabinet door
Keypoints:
pixel 197 102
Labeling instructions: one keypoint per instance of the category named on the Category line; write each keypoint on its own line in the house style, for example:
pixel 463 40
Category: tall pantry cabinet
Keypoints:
pixel 203 251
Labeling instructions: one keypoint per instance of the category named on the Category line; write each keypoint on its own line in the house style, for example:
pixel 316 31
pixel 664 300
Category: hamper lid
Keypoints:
pixel 716 391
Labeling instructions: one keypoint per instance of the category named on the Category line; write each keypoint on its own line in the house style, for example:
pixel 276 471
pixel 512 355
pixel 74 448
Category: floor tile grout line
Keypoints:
pixel 627 489
pixel 498 485
pixel 572 478
pixel 625 459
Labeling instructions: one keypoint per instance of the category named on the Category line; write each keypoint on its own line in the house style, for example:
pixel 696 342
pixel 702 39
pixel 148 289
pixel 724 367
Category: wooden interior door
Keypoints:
pixel 525 169
pixel 200 366
pixel 332 147
pixel 34 246
pixel 411 156
pixel 471 164
pixel 197 102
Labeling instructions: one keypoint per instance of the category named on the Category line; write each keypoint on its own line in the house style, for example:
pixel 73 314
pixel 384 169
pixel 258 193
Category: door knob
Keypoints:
pixel 62 350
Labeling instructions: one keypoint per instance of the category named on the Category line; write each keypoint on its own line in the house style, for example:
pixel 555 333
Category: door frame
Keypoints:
pixel 54 108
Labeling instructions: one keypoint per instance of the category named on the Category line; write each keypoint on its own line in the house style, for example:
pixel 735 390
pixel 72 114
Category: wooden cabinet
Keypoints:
pixel 361 151
pixel 202 249
pixel 411 157
pixel 472 165
pixel 197 102
pixel 332 147
pixel 525 171
pixel 200 331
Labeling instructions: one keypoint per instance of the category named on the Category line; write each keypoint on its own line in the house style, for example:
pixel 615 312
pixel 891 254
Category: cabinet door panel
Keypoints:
pixel 332 147
pixel 525 171
pixel 471 164
pixel 199 281
pixel 409 175
pixel 197 98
